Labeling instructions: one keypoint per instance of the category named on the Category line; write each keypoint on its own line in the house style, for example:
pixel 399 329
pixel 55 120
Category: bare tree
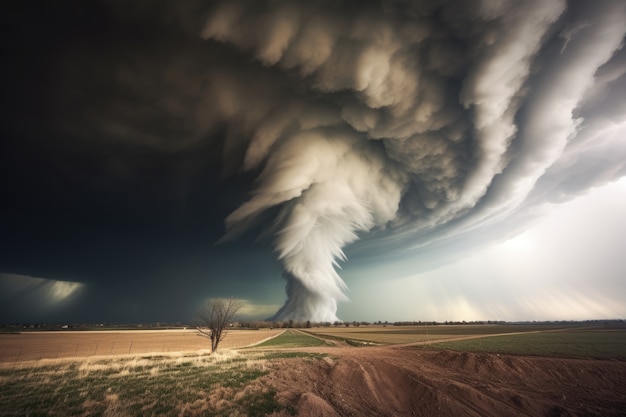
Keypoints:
pixel 213 317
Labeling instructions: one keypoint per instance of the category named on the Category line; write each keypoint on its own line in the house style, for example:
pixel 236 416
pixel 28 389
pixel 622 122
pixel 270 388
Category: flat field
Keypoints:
pixel 291 339
pixel 425 334
pixel 61 344
pixel 484 370
pixel 574 343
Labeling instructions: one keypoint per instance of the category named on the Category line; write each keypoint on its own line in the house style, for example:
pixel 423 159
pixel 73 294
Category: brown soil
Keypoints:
pixel 404 381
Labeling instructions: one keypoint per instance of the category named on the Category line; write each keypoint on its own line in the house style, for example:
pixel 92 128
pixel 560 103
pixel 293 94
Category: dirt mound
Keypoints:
pixel 410 382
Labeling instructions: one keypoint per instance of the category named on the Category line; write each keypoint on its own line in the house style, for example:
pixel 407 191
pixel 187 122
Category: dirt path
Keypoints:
pixel 402 381
pixel 480 336
pixel 264 340
pixel 332 339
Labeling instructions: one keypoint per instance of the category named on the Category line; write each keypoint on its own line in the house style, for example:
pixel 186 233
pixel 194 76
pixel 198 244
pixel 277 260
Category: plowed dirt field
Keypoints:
pixel 404 381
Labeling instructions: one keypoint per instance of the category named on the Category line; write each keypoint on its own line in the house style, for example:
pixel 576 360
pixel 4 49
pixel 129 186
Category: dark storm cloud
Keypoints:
pixel 418 122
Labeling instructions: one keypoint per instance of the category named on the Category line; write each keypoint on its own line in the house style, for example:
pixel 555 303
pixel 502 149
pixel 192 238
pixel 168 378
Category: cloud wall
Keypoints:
pixel 380 128
pixel 407 117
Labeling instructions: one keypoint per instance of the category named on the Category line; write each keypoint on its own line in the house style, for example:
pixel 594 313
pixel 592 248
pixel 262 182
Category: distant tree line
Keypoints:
pixel 264 324
pixel 292 324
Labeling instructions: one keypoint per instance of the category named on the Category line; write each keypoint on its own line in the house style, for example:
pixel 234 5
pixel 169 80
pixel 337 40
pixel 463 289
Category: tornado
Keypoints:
pixel 394 120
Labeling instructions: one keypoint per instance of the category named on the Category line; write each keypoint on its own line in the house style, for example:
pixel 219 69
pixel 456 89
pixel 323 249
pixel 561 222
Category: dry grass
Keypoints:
pixel 46 345
pixel 177 383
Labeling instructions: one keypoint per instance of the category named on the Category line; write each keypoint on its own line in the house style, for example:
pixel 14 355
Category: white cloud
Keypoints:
pixel 47 291
pixel 257 311
pixel 31 298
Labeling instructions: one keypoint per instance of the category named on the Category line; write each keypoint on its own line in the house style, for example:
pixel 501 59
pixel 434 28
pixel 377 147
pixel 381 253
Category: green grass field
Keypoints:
pixel 290 339
pixel 597 344
pixel 415 334
pixel 565 340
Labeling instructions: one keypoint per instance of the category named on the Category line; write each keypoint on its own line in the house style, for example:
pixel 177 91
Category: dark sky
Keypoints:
pixel 99 184
pixel 136 135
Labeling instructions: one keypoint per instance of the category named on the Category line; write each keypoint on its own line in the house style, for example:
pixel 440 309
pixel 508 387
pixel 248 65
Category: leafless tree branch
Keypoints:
pixel 212 318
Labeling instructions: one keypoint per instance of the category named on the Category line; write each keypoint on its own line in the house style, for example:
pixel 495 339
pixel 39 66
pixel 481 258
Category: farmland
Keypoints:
pixel 427 334
pixel 589 343
pixel 167 384
pixel 486 370
pixel 290 339
pixel 598 341
pixel 48 345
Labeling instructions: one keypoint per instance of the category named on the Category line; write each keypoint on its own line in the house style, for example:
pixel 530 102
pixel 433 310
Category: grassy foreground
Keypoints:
pixel 165 384
pixel 218 385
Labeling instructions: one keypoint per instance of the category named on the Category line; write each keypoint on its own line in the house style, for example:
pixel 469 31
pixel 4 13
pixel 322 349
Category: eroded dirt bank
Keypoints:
pixel 410 382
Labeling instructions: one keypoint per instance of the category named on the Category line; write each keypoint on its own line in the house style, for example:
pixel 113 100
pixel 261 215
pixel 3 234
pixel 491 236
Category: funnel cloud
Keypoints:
pixel 392 128
pixel 402 117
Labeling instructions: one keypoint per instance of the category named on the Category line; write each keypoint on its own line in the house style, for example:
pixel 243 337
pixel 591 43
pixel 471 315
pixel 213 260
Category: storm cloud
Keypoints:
pixel 394 127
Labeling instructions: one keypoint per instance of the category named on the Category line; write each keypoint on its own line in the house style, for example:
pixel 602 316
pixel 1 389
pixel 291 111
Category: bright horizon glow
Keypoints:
pixel 540 274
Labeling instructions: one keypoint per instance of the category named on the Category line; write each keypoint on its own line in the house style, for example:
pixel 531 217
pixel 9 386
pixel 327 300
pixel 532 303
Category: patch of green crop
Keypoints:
pixel 466 329
pixel 292 338
pixel 238 379
pixel 256 405
pixel 261 404
pixel 595 344
pixel 293 355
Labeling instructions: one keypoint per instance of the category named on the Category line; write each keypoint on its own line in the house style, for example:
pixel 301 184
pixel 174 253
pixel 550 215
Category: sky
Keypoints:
pixel 342 160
